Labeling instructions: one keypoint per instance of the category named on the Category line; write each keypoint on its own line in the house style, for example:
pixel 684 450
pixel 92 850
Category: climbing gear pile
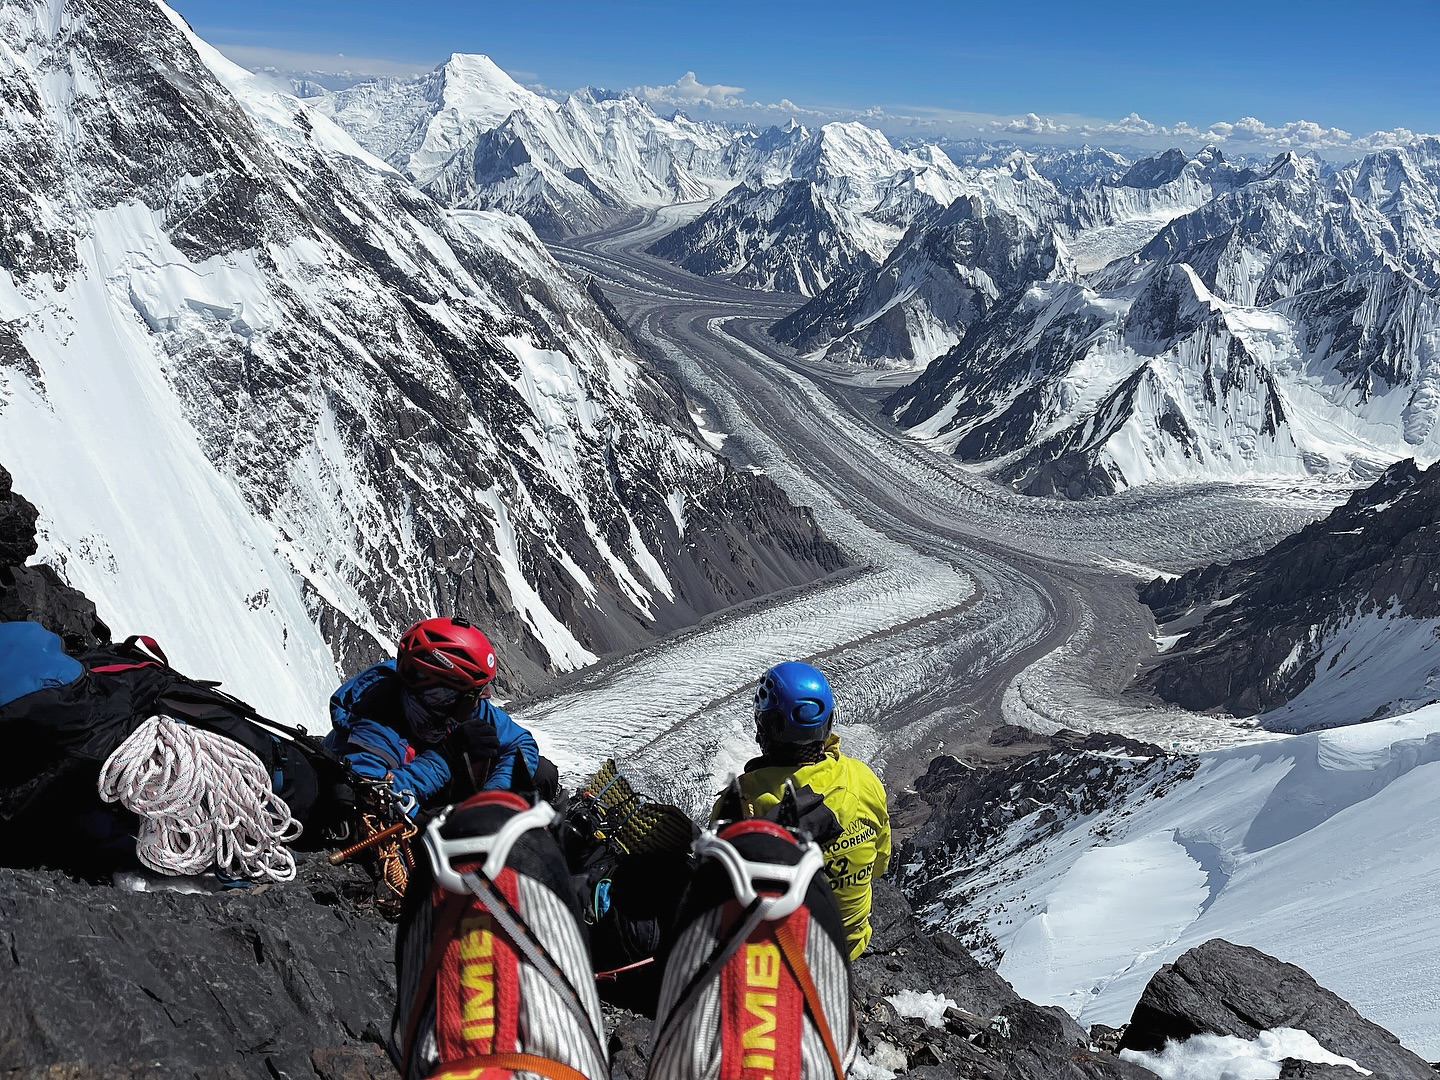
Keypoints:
pixel 203 800
pixel 613 813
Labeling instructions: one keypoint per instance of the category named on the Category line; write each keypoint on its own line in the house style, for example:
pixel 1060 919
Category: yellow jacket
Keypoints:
pixel 856 842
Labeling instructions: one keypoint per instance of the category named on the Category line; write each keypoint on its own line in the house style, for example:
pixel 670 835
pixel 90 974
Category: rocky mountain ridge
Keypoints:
pixel 823 207
pixel 952 267
pixel 1338 623
pixel 1282 328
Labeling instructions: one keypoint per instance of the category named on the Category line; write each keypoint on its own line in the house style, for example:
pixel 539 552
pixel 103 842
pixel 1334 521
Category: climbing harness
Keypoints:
pixel 203 800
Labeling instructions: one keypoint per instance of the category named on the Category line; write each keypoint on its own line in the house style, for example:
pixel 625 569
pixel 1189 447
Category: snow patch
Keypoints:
pixel 1225 1057
pixel 922 1005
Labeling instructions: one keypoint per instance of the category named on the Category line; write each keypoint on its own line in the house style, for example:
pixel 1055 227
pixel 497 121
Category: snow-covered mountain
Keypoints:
pixel 951 269
pixel 472 137
pixel 814 208
pixel 942 278
pixel 275 403
pixel 1109 219
pixel 1287 327
pixel 1338 623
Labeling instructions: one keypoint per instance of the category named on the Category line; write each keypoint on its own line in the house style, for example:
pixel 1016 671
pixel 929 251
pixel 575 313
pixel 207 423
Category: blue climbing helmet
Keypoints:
pixel 793 703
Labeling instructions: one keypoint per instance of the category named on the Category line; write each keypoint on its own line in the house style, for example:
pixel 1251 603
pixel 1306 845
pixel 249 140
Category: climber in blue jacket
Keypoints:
pixel 425 723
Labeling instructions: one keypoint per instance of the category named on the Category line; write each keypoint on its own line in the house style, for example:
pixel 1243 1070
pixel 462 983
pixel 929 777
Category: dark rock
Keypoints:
pixel 245 982
pixel 943 770
pixel 1377 554
pixel 629 1040
pixel 1291 1069
pixel 37 592
pixel 1106 1038
pixel 17 523
pixel 1230 989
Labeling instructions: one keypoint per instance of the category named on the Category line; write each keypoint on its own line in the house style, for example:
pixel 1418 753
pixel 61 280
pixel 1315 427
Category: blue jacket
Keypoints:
pixel 371 732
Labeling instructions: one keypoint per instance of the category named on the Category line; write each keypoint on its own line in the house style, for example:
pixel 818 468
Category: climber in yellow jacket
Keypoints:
pixel 841 802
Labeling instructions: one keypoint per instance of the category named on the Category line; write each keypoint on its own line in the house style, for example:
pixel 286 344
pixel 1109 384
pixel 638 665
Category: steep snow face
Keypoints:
pixel 275 404
pixel 1287 327
pixel 472 137
pixel 1318 850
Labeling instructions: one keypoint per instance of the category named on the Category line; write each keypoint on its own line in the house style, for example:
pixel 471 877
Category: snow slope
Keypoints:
pixel 275 403
pixel 1319 849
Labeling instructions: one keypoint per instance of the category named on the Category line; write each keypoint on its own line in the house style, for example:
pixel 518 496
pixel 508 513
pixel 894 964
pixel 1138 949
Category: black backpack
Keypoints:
pixel 62 716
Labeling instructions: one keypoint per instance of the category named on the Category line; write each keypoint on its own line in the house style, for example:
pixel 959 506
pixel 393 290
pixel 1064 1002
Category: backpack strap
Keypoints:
pixel 146 651
pixel 144 643
pixel 794 954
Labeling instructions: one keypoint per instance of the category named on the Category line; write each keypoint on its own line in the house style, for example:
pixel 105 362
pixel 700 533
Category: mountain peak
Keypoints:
pixel 477 66
pixel 1155 171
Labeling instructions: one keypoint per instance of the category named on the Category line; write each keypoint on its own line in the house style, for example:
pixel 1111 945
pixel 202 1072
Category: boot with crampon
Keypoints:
pixel 758 982
pixel 493 970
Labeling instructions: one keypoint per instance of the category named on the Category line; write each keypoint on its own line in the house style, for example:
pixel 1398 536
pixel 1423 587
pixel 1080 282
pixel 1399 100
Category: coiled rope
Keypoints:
pixel 202 800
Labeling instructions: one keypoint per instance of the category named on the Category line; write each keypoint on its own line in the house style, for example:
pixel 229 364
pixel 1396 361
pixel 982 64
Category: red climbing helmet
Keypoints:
pixel 445 652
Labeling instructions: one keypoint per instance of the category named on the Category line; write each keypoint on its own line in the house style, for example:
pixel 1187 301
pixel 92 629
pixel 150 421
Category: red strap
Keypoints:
pixel 761 1013
pixel 794 951
pixel 615 973
pixel 477 989
pixel 133 643
pixel 473 1068
pixel 440 935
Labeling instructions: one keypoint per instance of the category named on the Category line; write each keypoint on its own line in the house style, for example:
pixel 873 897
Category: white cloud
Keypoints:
pixel 688 90
pixel 718 101
pixel 1030 124
pixel 1298 134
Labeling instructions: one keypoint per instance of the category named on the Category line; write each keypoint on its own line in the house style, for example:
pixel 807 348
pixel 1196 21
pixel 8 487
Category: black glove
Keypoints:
pixel 477 744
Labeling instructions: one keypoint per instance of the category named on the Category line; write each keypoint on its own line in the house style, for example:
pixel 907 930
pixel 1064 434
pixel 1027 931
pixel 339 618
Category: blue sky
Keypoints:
pixel 1076 66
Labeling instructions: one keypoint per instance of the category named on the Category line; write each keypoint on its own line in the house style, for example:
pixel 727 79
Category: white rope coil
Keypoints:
pixel 203 800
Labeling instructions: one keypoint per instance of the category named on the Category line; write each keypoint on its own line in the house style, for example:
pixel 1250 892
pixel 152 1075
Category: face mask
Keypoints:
pixel 427 727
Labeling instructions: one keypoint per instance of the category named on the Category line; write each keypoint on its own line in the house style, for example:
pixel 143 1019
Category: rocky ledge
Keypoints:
pixel 295 981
